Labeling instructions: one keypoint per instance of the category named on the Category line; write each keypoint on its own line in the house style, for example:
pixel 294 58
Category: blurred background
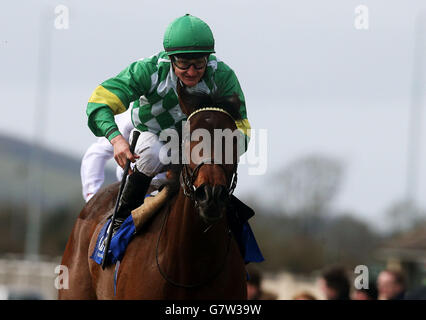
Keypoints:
pixel 338 86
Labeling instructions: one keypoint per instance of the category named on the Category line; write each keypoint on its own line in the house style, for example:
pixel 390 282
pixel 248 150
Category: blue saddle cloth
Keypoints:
pixel 118 244
pixel 125 234
pixel 252 251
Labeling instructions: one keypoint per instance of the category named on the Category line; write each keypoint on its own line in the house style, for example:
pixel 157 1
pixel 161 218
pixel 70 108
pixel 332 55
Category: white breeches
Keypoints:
pixel 152 157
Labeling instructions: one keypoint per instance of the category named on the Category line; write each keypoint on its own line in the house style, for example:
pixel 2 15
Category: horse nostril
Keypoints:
pixel 203 193
pixel 220 194
pixel 208 195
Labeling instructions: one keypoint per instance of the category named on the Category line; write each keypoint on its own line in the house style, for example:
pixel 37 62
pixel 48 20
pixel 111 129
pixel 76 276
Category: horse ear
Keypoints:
pixel 232 105
pixel 183 98
pixel 235 103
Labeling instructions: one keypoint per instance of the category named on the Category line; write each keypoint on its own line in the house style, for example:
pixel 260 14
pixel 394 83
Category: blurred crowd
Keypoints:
pixel 335 284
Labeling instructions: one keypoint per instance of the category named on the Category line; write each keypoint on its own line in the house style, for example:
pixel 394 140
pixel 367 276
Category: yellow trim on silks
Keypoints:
pixel 244 126
pixel 104 96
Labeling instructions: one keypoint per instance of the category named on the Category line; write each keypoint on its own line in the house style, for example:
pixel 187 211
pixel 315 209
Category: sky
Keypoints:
pixel 315 82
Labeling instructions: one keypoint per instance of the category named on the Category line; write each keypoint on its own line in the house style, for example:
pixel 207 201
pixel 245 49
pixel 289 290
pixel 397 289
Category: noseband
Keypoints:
pixel 188 176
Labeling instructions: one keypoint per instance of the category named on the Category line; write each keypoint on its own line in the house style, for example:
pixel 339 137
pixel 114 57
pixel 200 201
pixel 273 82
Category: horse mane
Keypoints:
pixel 196 99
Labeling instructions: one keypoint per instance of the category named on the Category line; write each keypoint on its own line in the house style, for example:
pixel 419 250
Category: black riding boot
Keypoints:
pixel 136 186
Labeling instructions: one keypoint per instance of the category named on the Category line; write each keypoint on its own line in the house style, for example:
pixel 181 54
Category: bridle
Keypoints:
pixel 187 179
pixel 189 175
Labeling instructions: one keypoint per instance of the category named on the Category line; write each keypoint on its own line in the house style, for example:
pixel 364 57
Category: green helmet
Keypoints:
pixel 188 34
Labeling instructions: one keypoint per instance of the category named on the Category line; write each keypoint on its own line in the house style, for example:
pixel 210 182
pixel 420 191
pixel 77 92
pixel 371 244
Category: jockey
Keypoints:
pixel 151 84
pixel 97 155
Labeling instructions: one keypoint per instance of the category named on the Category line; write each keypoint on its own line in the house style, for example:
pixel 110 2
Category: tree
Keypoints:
pixel 308 184
pixel 404 215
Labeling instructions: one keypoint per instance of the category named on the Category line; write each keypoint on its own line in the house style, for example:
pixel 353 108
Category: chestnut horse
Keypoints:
pixel 187 250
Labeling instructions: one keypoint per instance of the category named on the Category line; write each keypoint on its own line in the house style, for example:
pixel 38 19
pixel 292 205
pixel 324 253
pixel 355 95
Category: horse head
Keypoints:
pixel 210 150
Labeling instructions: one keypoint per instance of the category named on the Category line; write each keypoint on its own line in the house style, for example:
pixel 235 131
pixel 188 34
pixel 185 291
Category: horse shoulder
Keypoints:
pixel 77 252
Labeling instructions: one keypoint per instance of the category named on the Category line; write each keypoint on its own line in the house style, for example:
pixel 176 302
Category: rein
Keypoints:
pixel 187 179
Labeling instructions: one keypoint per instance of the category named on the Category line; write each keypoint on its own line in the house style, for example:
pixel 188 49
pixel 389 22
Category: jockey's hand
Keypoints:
pixel 122 151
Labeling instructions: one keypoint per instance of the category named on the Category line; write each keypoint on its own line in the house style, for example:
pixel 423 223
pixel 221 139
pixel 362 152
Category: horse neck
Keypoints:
pixel 186 255
pixel 186 229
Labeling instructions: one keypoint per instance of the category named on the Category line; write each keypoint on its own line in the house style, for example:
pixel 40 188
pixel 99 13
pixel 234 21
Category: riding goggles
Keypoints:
pixel 186 64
